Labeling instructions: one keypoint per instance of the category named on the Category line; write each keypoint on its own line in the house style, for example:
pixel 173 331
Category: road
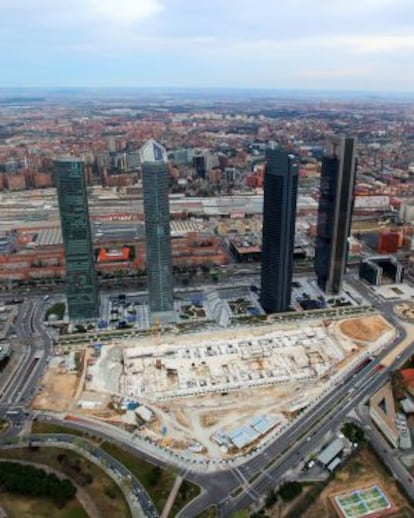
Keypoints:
pixel 285 451
pixel 38 346
pixel 256 473
pixel 295 444
pixel 116 470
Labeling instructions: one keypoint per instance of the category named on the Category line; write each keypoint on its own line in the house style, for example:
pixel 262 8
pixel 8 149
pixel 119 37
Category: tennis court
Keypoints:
pixel 370 501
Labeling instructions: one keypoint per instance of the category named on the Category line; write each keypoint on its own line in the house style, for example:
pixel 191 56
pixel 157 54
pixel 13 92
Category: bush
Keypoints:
pixel 271 499
pixel 57 309
pixel 110 492
pixel 290 491
pixel 154 476
pixel 353 432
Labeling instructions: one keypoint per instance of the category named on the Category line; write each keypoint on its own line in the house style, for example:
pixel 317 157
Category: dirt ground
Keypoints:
pixel 18 506
pixel 197 418
pixel 405 311
pixel 363 470
pixel 58 391
pixel 365 329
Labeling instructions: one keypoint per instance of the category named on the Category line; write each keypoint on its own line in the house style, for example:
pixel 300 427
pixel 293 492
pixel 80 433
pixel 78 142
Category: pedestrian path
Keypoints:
pixel 171 497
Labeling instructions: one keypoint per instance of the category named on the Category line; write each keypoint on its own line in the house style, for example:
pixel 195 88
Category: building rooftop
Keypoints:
pixel 152 151
pixel 68 158
pixel 331 451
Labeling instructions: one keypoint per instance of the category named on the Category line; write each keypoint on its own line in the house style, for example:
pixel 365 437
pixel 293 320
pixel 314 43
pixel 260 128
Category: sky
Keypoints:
pixel 365 45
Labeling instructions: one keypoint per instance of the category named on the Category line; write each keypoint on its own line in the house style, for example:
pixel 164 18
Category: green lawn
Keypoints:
pixel 157 482
pixel 186 493
pixel 241 514
pixel 20 506
pixel 77 468
pixel 4 424
pixel 211 512
pixel 45 427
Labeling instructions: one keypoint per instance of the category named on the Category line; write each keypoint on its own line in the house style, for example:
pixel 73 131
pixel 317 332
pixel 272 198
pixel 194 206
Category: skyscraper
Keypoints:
pixel 279 214
pixel 157 231
pixel 335 212
pixel 81 283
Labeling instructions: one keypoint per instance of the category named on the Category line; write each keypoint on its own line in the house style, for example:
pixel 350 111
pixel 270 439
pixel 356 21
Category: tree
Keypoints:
pixel 398 386
pixel 290 490
pixel 271 498
pixel 28 480
pixel 353 432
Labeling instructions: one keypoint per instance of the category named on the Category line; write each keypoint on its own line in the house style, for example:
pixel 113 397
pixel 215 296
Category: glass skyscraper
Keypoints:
pixel 336 203
pixel 279 215
pixel 81 283
pixel 157 231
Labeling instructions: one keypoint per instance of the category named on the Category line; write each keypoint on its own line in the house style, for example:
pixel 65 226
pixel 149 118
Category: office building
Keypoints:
pixel 381 270
pixel 335 212
pixel 199 164
pixel 81 283
pixel 155 179
pixel 203 162
pixel 279 214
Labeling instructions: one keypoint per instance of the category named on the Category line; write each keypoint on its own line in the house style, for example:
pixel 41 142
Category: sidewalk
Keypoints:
pixel 171 497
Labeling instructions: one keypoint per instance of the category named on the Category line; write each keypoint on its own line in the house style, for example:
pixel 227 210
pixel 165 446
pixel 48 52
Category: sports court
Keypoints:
pixel 370 501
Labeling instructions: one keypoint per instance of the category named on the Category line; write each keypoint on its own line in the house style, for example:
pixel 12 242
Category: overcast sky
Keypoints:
pixel 301 44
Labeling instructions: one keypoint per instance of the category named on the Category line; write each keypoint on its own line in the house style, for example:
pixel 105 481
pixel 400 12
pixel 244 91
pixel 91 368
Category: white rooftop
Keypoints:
pixel 152 151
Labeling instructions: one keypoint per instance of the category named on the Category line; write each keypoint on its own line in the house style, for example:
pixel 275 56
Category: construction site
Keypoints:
pixel 211 394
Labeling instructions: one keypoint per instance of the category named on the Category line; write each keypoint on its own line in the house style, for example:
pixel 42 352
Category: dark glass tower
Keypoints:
pixel 279 214
pixel 335 212
pixel 81 283
pixel 157 231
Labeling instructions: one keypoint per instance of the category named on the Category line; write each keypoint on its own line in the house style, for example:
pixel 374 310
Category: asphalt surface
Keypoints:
pixel 258 473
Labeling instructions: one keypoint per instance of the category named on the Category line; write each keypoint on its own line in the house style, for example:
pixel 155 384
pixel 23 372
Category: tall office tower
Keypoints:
pixel 81 283
pixel 199 164
pixel 157 231
pixel 335 212
pixel 279 214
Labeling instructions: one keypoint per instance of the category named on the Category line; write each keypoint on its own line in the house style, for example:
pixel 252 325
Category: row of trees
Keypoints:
pixel 32 481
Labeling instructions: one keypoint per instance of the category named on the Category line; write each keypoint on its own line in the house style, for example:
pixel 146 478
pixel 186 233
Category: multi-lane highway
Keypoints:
pixel 267 469
pixel 18 390
pixel 231 485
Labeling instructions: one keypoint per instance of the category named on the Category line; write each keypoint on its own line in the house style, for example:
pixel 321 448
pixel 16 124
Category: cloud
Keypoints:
pixel 123 11
pixel 77 12
pixel 381 44
pixel 221 41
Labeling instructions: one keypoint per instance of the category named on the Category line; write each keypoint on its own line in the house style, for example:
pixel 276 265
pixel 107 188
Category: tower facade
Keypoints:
pixel 157 231
pixel 335 212
pixel 81 283
pixel 279 215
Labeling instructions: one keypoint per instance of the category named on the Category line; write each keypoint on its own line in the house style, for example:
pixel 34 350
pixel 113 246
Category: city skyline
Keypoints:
pixel 211 359
pixel 295 45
